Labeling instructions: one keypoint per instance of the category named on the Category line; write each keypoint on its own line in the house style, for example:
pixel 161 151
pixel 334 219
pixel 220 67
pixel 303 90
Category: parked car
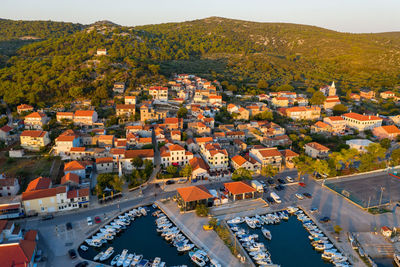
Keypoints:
pixel 281 187
pixel 324 219
pixel 72 253
pixel 278 188
pixel 270 181
pixel 47 217
pixel 82 264
pixel 289 179
pixel 307 195
pixel 313 210
pixel 97 219
pixel 68 225
pixel 302 184
pixel 281 181
pixel 89 221
pixel 271 200
pixel 299 196
pixel 182 181
pixel 170 182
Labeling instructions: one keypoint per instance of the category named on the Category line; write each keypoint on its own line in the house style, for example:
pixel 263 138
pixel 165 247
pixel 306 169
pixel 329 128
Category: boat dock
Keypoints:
pixel 205 240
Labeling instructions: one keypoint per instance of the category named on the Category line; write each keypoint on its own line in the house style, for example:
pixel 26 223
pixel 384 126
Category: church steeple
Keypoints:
pixel 333 84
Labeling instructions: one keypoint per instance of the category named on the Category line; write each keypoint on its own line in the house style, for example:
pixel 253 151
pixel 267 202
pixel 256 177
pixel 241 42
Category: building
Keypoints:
pixel 331 101
pixel 355 97
pixel 337 124
pixel 35 121
pixel 24 108
pixel 390 131
pixel 119 87
pixel 130 100
pixel 34 139
pixel 216 157
pixel 172 154
pixel 359 144
pixel 301 113
pixel 5 133
pixel 81 168
pixel 65 142
pixel 386 232
pixel 266 156
pixel 189 197
pixel 101 52
pixel 8 186
pixel 44 200
pixel 316 150
pixel 361 122
pixel 200 169
pixel 239 190
pixel 144 154
pixel 173 123
pixel 64 116
pixel 329 90
pixel 288 156
pixel 199 128
pixel 159 93
pixel 70 179
pixel 321 127
pixel 126 110
pixel 387 95
pixel 250 164
pixel 148 113
pixel 39 184
pixel 367 94
pixel 10 210
pixel 280 101
pixel 105 141
pixel 21 253
pixel 85 117
pixel 105 165
pixel 215 100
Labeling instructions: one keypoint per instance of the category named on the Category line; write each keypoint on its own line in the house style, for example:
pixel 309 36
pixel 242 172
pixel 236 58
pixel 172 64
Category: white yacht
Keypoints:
pixel 115 259
pixel 266 233
pixel 136 260
pixel 128 260
pixel 122 257
pixel 107 254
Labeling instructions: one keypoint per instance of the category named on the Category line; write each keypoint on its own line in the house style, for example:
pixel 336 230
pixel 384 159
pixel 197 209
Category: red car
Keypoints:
pixel 302 184
pixel 97 219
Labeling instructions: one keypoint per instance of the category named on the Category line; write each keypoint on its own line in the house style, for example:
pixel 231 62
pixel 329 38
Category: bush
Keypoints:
pixel 201 210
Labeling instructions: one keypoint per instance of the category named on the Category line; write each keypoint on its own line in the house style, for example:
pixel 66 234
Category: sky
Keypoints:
pixel 340 15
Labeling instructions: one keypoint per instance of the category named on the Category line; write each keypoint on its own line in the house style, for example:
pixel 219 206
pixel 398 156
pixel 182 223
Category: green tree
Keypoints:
pixel 339 109
pixel 269 171
pixel 182 112
pixel 395 157
pixel 186 171
pixel 385 143
pixel 154 69
pixel 262 84
pixel 117 183
pixel 285 87
pixel 321 167
pixel 232 88
pixel 265 115
pixel 241 174
pixel 172 169
pixel 137 162
pixel 317 98
pixel 303 165
pixel 201 210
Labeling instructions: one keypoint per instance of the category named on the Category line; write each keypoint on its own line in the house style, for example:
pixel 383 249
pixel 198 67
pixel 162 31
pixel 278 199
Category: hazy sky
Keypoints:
pixel 341 15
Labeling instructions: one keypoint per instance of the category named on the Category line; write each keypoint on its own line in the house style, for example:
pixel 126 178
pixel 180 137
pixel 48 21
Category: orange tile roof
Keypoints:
pixel 125 106
pixel 65 114
pixel 198 163
pixel 175 147
pixel 194 193
pixel 289 153
pixel 35 115
pixel 203 139
pixel 43 193
pixel 391 129
pixel 317 146
pixel 359 117
pixel 24 107
pixel 171 120
pixel 31 235
pixel 65 138
pixel 335 118
pixel 74 165
pixel 33 133
pixel 70 177
pixel 117 151
pixel 321 124
pixel 78 193
pixel 6 128
pixel 77 149
pixel 17 254
pixel 106 137
pixel 240 187
pixel 104 160
pixel 142 153
pixel 270 152
pixel 239 160
pixel 38 184
pixel 84 113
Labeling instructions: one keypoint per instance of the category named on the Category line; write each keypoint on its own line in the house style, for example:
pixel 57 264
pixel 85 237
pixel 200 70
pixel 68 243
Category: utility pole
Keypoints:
pixel 380 200
pixel 369 201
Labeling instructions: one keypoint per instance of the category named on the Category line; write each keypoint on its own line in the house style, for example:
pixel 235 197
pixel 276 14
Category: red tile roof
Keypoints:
pixel 33 133
pixel 17 254
pixel 35 115
pixel 391 129
pixel 270 152
pixel 43 193
pixel 6 128
pixel 359 117
pixel 240 187
pixel 317 146
pixel 24 107
pixel 142 153
pixel 78 193
pixel 198 163
pixel 38 184
pixel 239 160
pixel 104 160
pixel 194 193
pixel 84 113
pixel 70 177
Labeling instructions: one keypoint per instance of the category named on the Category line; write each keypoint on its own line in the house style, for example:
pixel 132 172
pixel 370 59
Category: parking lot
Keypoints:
pixel 368 191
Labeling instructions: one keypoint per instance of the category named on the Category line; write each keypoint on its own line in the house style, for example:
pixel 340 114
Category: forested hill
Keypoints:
pixel 241 52
pixel 16 29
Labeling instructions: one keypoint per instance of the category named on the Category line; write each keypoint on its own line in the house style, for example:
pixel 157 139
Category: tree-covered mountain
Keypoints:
pixel 242 53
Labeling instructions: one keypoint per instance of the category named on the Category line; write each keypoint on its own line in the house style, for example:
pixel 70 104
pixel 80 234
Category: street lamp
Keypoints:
pixel 380 200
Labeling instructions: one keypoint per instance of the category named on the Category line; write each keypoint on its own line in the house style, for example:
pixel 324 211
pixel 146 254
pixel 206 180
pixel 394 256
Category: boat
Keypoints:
pixel 236 220
pixel 185 247
pixel 154 206
pixel 197 259
pixel 98 256
pixel 156 262
pixel 107 254
pixel 396 258
pixel 143 263
pixel 83 247
pixel 128 260
pixel 122 257
pixel 361 252
pixel 250 223
pixel 266 233
pixel 291 209
pixel 136 260
pixel 115 259
pixel 142 211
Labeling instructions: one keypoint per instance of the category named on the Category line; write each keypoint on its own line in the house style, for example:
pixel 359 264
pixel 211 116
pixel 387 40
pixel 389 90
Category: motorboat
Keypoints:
pixel 143 263
pixel 156 262
pixel 215 263
pixel 83 247
pixel 154 206
pixel 98 256
pixel 266 233
pixel 142 211
pixel 107 254
pixel 250 223
pixel 115 259
pixel 136 260
pixel 185 247
pixel 197 258
pixel 291 209
pixel 122 257
pixel 128 260
pixel 236 220
pixel 396 258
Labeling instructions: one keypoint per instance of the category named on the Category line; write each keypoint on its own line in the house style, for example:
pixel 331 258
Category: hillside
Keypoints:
pixel 240 52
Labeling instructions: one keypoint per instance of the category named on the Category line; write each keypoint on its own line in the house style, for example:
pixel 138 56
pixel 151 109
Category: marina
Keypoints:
pixel 143 236
pixel 270 238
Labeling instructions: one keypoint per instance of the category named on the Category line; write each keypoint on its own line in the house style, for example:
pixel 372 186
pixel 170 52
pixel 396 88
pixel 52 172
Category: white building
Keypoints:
pixel 361 122
pixel 172 154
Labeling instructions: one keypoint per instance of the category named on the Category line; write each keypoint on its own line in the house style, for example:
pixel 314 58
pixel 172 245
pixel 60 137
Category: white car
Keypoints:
pixel 299 196
pixel 89 221
pixel 289 179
